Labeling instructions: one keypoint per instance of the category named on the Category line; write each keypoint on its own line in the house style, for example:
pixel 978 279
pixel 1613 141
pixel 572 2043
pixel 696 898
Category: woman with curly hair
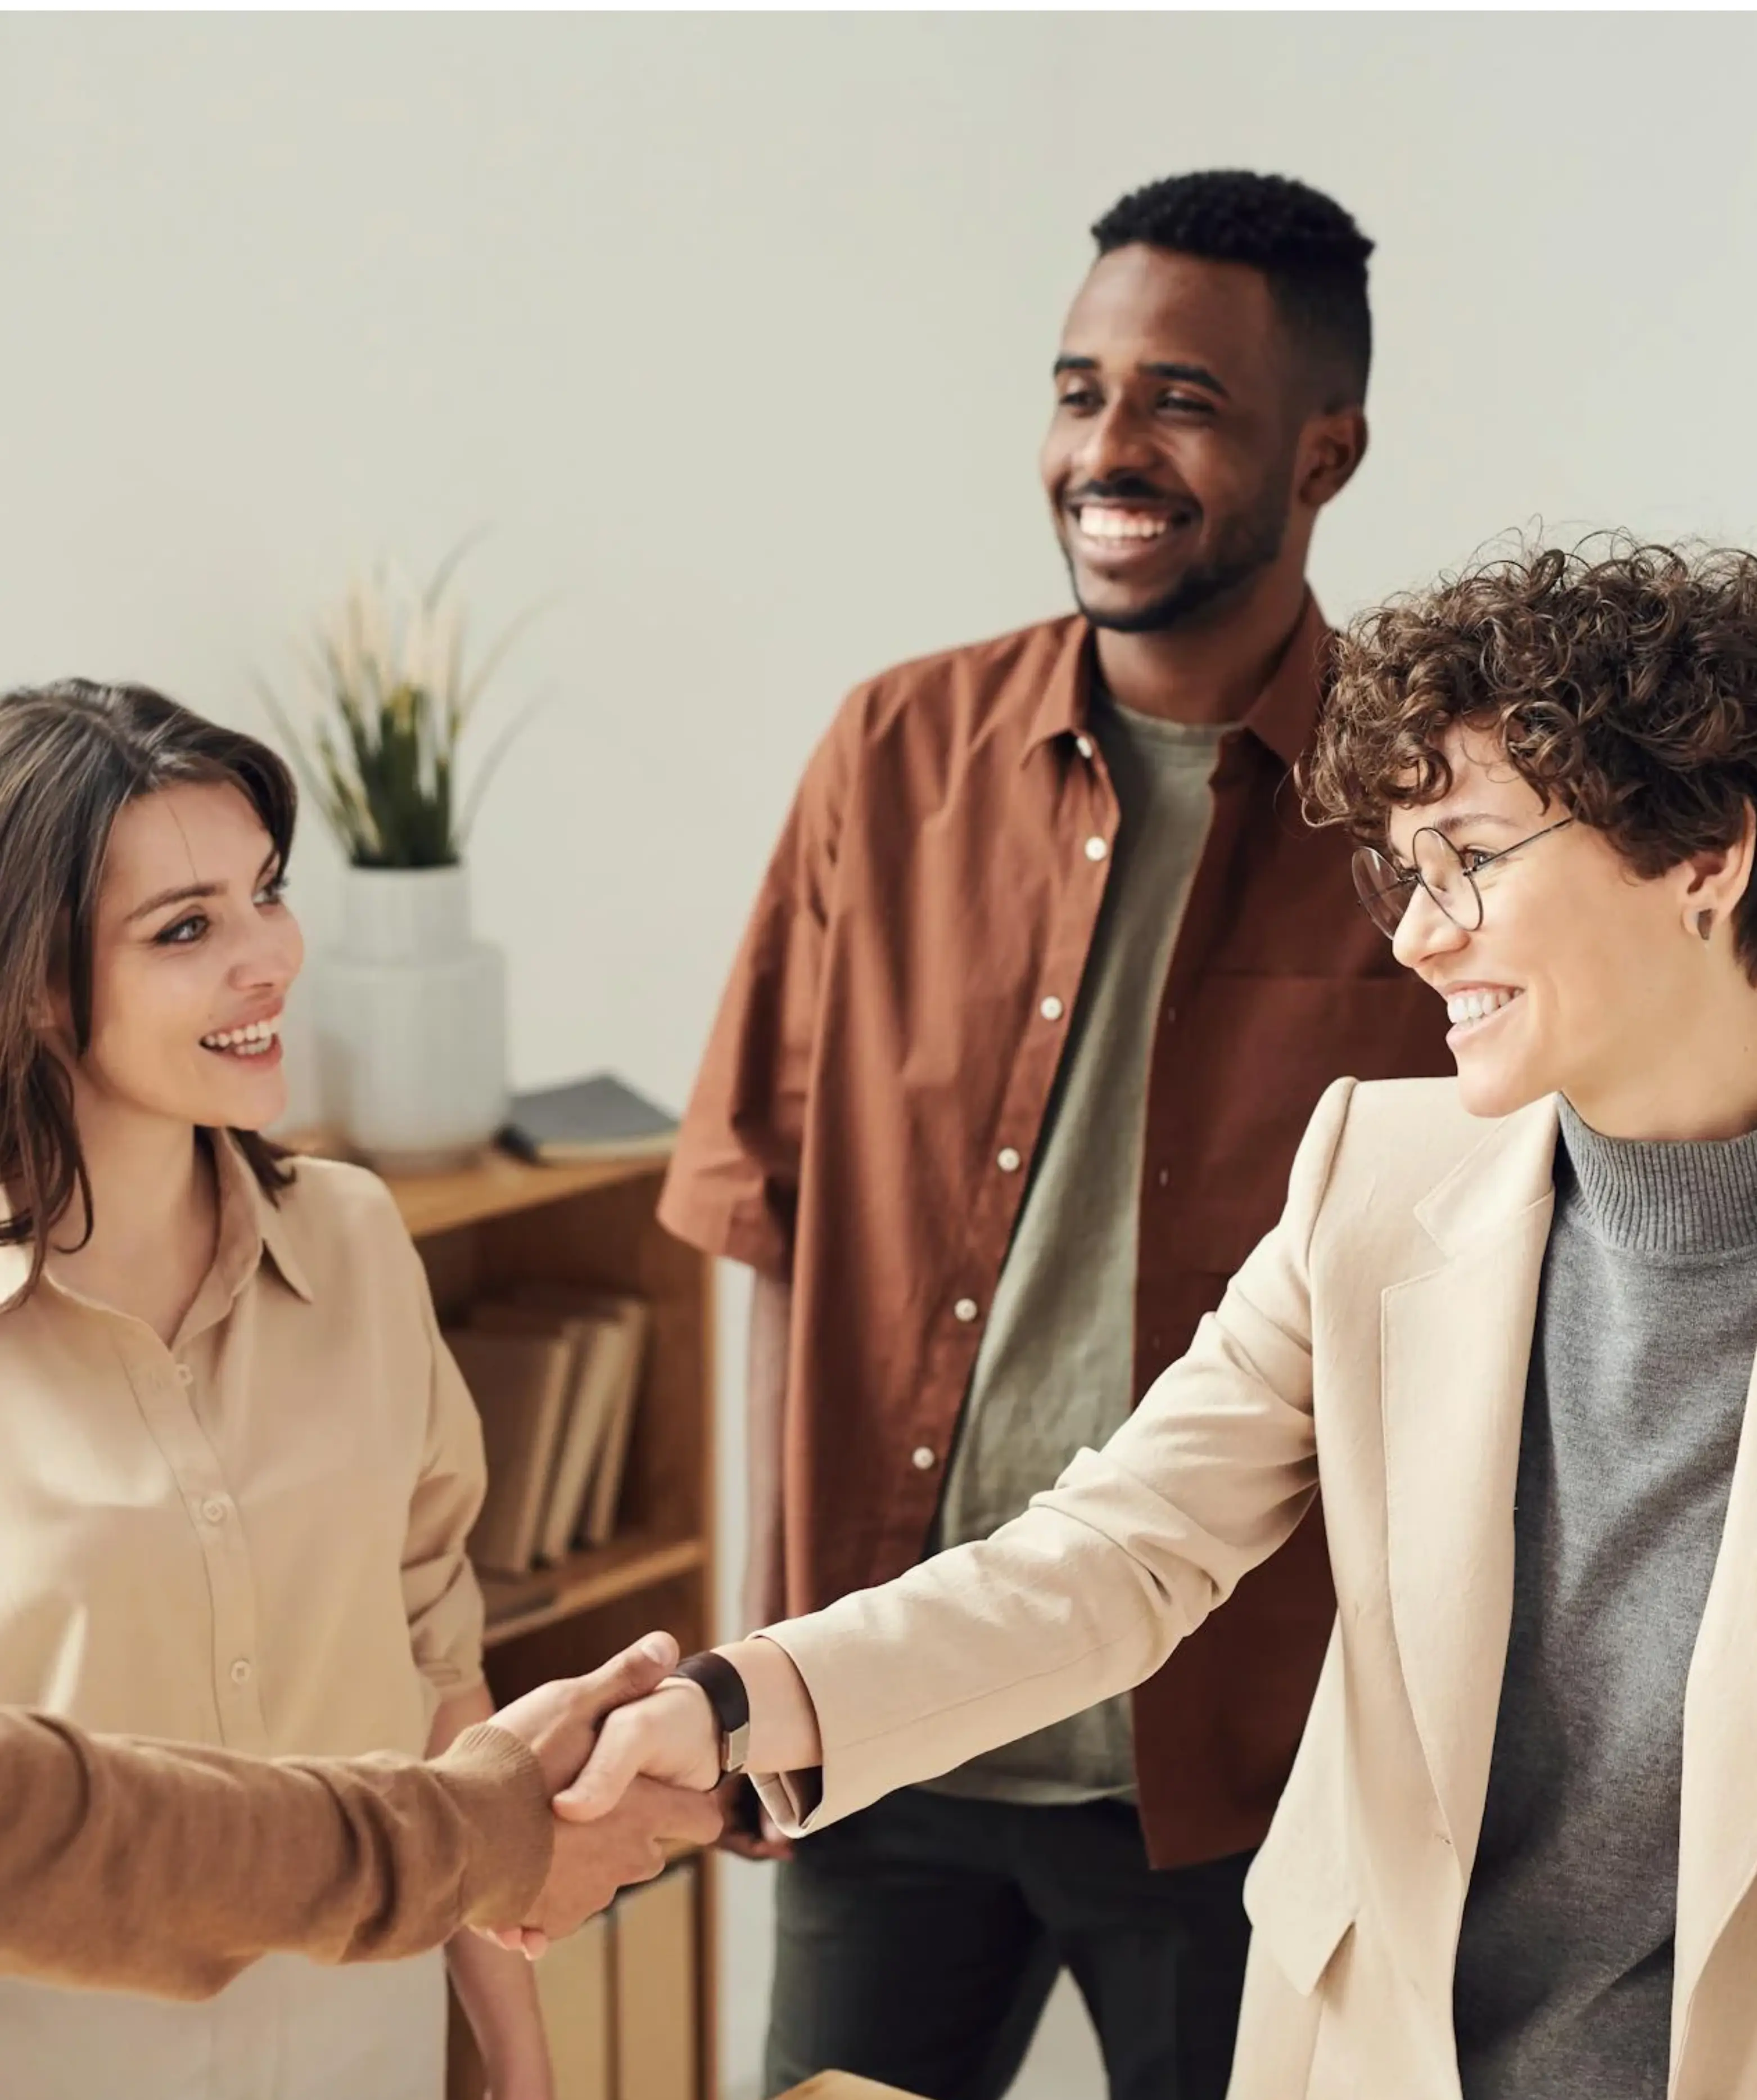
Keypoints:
pixel 1507 1326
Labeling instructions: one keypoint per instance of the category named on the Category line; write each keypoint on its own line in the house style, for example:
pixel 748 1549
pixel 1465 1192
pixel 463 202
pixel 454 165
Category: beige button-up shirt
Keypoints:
pixel 252 1538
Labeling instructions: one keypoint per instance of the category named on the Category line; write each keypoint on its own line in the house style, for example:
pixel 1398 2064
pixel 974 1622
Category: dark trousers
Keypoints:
pixel 917 1942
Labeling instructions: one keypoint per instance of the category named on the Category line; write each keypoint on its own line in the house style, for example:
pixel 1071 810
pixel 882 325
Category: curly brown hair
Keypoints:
pixel 1623 688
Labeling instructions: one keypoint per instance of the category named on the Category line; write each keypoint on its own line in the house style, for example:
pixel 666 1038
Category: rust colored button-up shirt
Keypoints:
pixel 876 1082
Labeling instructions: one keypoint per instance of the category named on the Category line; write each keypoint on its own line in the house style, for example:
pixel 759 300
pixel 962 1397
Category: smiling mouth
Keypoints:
pixel 1469 1011
pixel 1113 528
pixel 256 1038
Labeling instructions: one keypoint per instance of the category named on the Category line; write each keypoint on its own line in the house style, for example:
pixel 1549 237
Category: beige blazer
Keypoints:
pixel 1376 1340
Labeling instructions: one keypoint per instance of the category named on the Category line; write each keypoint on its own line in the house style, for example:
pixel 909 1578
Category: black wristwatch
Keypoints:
pixel 728 1699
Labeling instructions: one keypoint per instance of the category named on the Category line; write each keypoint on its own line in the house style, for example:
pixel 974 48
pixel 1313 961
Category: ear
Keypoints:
pixel 1715 880
pixel 1331 446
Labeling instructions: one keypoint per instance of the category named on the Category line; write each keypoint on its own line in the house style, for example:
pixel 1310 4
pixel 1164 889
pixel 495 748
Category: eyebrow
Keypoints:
pixel 1463 820
pixel 1460 821
pixel 190 893
pixel 1192 375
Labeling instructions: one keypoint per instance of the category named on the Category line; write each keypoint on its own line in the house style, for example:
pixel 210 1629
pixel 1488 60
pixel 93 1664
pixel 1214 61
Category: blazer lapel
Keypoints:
pixel 1456 1349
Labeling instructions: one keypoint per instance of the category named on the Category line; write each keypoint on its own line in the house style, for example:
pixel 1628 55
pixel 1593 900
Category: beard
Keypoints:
pixel 1243 546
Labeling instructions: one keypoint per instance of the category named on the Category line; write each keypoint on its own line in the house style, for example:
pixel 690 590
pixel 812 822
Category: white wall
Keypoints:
pixel 738 331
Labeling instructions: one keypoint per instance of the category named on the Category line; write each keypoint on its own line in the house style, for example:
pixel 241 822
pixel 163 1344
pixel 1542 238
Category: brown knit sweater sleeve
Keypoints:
pixel 161 1867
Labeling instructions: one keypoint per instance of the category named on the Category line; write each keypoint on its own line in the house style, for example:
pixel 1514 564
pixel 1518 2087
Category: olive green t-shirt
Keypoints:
pixel 1055 1370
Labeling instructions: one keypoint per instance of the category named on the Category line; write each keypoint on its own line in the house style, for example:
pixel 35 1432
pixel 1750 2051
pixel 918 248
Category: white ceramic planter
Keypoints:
pixel 411 1021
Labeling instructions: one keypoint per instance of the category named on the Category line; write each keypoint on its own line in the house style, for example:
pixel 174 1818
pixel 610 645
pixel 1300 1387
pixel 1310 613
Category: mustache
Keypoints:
pixel 1132 488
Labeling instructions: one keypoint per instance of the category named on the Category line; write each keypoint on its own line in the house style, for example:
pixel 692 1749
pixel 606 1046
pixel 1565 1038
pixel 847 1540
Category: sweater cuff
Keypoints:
pixel 500 1792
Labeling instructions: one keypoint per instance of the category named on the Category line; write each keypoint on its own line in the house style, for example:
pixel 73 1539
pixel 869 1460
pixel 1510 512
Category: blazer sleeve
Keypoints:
pixel 732 1185
pixel 1088 1592
pixel 165 1869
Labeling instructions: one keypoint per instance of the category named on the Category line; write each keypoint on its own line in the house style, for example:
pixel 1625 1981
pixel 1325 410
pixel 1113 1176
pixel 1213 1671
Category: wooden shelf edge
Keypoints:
pixel 592 1579
pixel 493 1185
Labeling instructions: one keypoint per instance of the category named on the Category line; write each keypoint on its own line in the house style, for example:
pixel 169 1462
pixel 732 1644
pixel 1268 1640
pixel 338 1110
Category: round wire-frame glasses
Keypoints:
pixel 1446 871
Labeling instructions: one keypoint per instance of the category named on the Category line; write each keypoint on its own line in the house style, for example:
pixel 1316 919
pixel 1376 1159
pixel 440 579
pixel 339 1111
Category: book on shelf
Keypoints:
pixel 520 1384
pixel 595 1118
pixel 612 1377
pixel 555 1369
pixel 596 1341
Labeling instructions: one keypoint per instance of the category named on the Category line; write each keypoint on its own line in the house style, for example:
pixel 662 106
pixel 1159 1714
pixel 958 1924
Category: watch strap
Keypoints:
pixel 723 1687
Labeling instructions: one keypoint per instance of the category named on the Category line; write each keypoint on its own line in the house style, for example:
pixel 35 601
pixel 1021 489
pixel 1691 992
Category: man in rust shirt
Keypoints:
pixel 1042 983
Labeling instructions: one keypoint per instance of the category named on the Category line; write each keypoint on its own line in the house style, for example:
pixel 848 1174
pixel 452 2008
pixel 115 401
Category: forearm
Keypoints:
pixel 765 1597
pixel 496 1988
pixel 167 1869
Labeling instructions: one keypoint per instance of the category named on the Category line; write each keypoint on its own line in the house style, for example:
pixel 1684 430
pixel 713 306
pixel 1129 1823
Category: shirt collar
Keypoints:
pixel 251 1224
pixel 1282 716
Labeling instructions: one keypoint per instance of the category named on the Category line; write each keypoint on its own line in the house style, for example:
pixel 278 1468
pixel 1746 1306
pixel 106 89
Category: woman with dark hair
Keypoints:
pixel 1507 1326
pixel 237 1465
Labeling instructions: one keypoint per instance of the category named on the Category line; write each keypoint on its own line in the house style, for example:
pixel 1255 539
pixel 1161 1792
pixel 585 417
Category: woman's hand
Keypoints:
pixel 670 1736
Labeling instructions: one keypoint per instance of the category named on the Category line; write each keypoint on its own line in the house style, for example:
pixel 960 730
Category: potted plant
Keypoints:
pixel 410 1007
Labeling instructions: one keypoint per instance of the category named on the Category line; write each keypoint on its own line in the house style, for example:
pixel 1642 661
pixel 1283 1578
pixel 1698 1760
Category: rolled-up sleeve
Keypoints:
pixel 441 1595
pixel 732 1186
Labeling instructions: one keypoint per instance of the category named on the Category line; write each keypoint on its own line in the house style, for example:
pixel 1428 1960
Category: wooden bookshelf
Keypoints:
pixel 500 1220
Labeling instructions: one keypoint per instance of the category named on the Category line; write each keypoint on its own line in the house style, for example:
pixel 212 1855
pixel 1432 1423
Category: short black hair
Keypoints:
pixel 1309 247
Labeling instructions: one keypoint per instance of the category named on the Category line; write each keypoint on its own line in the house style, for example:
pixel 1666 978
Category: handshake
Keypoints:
pixel 631 1764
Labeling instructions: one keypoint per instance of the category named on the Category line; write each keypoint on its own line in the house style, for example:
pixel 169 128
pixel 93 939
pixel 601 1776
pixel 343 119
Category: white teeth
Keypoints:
pixel 252 1041
pixel 1122 524
pixel 1463 1007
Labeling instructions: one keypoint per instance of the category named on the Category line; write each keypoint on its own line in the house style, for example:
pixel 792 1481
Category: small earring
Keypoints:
pixel 1705 924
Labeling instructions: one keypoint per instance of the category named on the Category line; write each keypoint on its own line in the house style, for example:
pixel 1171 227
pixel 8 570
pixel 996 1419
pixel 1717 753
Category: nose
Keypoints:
pixel 1424 931
pixel 1116 441
pixel 271 953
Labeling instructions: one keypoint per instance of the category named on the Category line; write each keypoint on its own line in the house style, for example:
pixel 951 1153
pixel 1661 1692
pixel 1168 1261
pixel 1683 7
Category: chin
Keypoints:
pixel 249 1108
pixel 1491 1089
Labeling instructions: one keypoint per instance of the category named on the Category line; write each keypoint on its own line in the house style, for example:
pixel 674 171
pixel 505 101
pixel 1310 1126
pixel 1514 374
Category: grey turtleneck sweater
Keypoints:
pixel 1646 1329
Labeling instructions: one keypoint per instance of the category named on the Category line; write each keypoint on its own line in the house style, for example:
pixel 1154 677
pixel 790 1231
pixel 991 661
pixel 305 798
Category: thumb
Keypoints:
pixel 636 1671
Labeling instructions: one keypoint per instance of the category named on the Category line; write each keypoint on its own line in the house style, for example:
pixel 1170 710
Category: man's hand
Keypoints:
pixel 593 1861
pixel 558 1723
pixel 751 1832
pixel 670 1736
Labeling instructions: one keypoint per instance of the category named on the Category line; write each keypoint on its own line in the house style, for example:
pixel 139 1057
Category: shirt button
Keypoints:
pixel 965 1310
pixel 1052 1009
pixel 1096 847
pixel 241 1671
pixel 185 1376
pixel 214 1509
pixel 1083 745
pixel 1007 1160
pixel 922 1459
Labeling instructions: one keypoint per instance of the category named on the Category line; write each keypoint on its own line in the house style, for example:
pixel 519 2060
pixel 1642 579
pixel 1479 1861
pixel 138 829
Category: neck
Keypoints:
pixel 150 1193
pixel 1213 667
pixel 1702 1085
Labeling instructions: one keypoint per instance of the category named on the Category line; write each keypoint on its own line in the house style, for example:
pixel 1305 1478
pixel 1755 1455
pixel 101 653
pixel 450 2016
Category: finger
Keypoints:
pixel 613 1765
pixel 536 1943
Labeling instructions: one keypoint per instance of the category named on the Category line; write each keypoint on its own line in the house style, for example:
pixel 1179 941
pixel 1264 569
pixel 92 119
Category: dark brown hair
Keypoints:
pixel 1623 688
pixel 72 754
